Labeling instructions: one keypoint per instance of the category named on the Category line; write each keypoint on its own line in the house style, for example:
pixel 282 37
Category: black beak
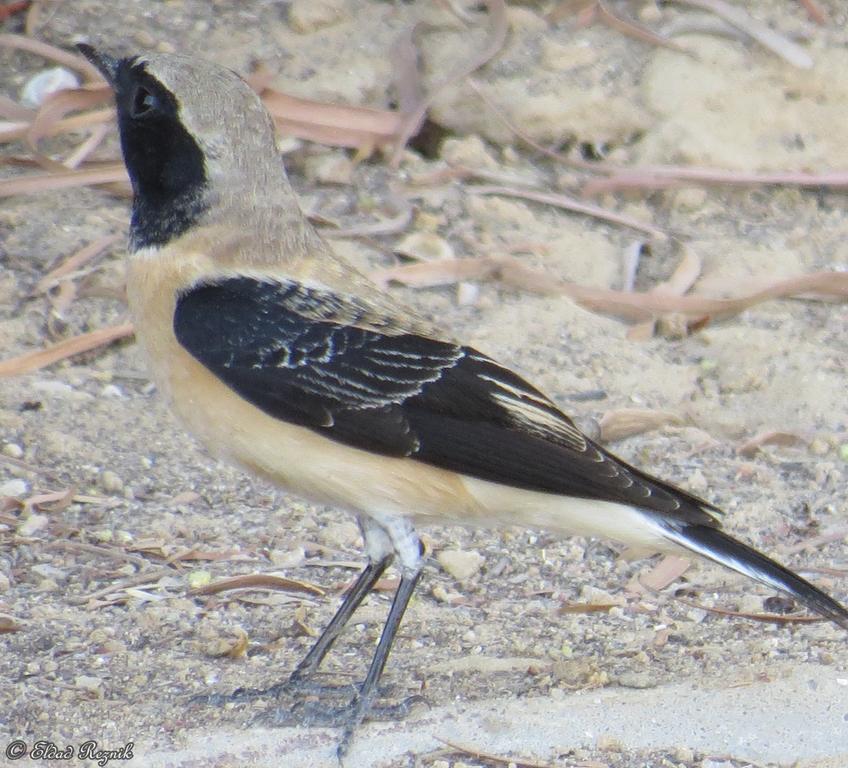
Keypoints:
pixel 107 65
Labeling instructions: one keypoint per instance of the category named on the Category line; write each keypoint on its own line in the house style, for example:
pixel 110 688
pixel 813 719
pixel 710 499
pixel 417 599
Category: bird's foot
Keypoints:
pixel 347 717
pixel 294 686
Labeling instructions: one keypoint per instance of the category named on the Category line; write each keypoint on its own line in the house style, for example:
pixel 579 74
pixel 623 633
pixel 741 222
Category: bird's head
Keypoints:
pixel 190 131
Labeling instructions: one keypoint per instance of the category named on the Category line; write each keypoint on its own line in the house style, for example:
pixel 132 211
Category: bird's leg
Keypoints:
pixel 364 699
pixel 400 536
pixel 380 555
pixel 363 585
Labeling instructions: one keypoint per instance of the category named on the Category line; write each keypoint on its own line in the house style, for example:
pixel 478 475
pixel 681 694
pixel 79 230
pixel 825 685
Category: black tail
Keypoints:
pixel 716 545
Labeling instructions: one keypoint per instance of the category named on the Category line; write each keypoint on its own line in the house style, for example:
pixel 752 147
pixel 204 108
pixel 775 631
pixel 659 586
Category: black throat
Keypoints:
pixel 165 164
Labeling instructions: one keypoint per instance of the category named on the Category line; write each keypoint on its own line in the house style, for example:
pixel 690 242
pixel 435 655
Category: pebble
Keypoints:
pixel 111 482
pixel 112 391
pixel 461 564
pixel 697 483
pixel 13 451
pixel 90 684
pixel 4 583
pixel 46 83
pixel 288 558
pixel 329 168
pixel 425 246
pixel 32 524
pixel 467 294
pixel 199 578
pixel 307 16
pixel 469 151
pixel 47 571
pixel 16 488
pixel 341 535
pixel 46 585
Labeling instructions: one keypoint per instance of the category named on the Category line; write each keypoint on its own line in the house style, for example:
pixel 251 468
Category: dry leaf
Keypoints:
pixel 258 581
pixel 773 437
pixel 75 261
pixel 32 361
pixel 331 124
pixel 585 608
pixel 8 624
pixel 629 306
pixel 626 422
pixel 665 572
pixel 107 173
pixel 570 204
pixel 772 618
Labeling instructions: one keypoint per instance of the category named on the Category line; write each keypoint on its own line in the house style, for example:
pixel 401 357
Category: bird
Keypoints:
pixel 282 358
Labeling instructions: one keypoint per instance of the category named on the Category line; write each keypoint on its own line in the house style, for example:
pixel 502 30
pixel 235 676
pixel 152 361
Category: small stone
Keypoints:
pixel 145 39
pixel 425 246
pixel 46 83
pixel 467 294
pixel 287 558
pixel 112 392
pixel 90 684
pixel 342 535
pixel 843 452
pixel 16 488
pixel 684 755
pixel 461 564
pixel 46 585
pixel 574 673
pixel 13 451
pixel 111 482
pixel 596 596
pixel 440 593
pixel 329 168
pixel 819 447
pixel 199 578
pixel 306 16
pixel 47 571
pixel 697 483
pixel 4 583
pixel 469 151
pixel 32 525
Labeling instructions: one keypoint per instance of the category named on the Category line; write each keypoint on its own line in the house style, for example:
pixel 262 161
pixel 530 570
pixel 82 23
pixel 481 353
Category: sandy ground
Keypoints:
pixel 111 648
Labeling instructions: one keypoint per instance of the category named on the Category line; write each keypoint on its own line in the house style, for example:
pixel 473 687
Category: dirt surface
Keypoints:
pixel 112 647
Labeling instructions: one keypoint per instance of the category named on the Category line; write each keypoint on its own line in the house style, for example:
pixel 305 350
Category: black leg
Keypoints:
pixel 363 585
pixel 365 697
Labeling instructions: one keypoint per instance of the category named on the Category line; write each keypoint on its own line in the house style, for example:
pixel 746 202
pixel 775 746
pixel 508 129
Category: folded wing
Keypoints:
pixel 328 363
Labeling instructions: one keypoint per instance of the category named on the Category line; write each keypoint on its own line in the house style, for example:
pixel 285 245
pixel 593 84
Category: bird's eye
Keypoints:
pixel 143 102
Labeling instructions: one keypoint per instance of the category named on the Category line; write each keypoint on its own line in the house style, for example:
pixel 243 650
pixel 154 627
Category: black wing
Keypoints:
pixel 298 354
